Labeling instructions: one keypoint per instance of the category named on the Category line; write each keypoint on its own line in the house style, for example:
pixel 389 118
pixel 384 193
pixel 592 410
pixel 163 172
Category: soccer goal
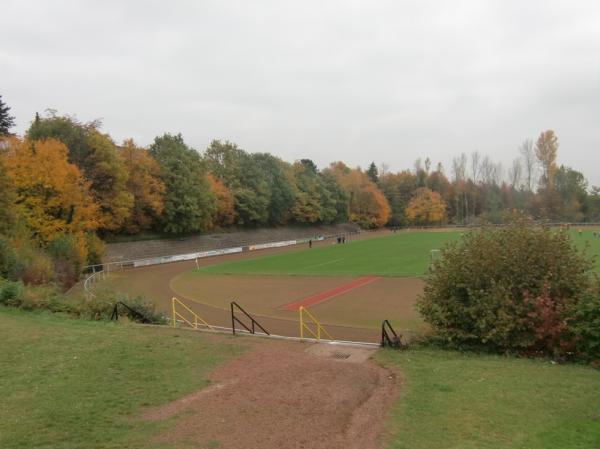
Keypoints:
pixel 434 254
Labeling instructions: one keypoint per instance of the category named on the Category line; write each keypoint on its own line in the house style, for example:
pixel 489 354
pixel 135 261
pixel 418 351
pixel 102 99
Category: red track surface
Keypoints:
pixel 324 296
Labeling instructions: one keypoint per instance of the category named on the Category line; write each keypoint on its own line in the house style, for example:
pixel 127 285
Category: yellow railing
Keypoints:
pixel 303 326
pixel 196 320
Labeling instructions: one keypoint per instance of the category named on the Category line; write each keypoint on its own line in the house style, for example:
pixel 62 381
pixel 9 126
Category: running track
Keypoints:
pixel 328 294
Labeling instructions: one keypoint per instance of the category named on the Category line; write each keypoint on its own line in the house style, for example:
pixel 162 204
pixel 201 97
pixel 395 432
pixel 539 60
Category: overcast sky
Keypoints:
pixel 388 81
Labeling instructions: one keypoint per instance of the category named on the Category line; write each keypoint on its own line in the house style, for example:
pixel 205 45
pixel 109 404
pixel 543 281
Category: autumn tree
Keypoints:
pixel 367 205
pixel 7 200
pixel 189 204
pixel 307 203
pixel 546 148
pixel 144 184
pixel 7 121
pixel 426 207
pixel 225 212
pixel 108 176
pixel 398 189
pixel 95 154
pixel 51 193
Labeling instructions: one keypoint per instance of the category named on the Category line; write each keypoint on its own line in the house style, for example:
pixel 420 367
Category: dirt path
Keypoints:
pixel 283 395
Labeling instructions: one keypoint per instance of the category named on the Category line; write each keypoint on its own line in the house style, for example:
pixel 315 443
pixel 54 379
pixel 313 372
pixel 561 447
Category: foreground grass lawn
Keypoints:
pixel 78 384
pixel 403 254
pixel 468 401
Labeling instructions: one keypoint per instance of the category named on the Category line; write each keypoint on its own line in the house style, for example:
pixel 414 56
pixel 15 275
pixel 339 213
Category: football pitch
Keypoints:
pixel 405 254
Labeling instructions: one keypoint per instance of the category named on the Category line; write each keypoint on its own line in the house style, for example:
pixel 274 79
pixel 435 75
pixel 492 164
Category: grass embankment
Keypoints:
pixel 69 383
pixel 470 401
pixel 80 384
pixel 406 254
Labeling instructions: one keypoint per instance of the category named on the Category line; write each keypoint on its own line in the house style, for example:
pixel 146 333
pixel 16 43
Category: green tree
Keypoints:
pixel 281 193
pixel 373 173
pixel 189 203
pixel 335 203
pixel 571 186
pixel 69 131
pixel 243 175
pixel 7 121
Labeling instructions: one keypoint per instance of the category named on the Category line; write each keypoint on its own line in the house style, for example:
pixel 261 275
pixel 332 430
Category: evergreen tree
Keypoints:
pixel 7 121
pixel 373 173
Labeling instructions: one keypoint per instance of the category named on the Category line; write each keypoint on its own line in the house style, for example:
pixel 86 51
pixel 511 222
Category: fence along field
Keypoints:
pixel 387 272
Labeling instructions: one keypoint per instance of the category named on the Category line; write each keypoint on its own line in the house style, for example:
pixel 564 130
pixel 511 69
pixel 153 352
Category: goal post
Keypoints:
pixel 434 254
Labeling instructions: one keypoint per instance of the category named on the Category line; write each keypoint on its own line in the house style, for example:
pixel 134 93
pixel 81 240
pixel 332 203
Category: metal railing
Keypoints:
pixel 389 336
pixel 318 327
pixel 131 313
pixel 90 280
pixel 234 319
pixel 195 319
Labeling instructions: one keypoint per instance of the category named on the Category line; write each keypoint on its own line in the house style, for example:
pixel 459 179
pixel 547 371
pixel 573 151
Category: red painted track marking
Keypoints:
pixel 328 294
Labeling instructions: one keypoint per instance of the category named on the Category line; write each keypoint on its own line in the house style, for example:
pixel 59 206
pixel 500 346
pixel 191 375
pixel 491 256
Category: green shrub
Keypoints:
pixel 506 288
pixel 10 293
pixel 95 249
pixel 69 254
pixel 102 306
pixel 585 324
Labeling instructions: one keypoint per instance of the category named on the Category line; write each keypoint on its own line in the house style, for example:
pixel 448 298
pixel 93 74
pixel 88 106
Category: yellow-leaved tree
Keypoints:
pixel 144 185
pixel 51 194
pixel 425 207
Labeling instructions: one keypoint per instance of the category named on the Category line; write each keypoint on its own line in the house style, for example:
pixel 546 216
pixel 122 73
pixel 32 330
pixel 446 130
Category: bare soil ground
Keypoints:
pixel 284 395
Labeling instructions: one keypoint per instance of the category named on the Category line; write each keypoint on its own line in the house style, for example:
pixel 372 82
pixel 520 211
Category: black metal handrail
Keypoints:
pixel 390 338
pixel 252 320
pixel 133 314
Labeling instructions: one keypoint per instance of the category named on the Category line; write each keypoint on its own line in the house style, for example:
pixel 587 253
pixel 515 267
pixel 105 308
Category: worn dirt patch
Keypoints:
pixel 283 395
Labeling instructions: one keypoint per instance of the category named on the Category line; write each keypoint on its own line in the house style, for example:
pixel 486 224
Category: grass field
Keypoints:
pixel 77 384
pixel 452 400
pixel 405 254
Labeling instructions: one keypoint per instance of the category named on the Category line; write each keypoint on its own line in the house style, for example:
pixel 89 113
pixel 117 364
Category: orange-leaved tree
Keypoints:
pixel 225 213
pixel 51 193
pixel 426 206
pixel 145 186
pixel 368 206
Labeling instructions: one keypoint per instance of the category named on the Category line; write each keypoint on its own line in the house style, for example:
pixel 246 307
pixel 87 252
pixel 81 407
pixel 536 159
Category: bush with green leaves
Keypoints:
pixel 509 288
pixel 584 323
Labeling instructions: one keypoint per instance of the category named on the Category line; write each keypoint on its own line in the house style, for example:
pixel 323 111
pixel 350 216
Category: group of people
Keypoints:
pixel 595 234
pixel 339 239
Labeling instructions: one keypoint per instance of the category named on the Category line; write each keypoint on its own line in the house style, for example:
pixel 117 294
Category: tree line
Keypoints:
pixel 68 180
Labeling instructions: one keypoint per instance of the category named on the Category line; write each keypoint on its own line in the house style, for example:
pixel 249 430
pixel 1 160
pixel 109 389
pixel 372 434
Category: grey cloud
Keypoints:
pixel 357 81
